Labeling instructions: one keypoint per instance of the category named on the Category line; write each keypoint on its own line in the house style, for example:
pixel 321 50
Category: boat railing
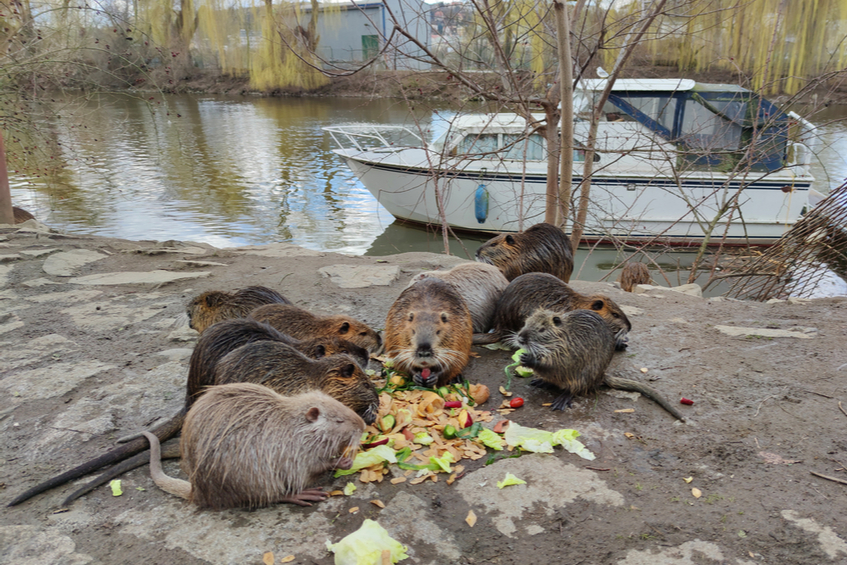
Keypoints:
pixel 804 146
pixel 371 137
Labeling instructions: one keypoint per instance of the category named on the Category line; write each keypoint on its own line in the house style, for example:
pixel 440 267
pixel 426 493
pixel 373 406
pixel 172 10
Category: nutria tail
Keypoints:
pixel 177 487
pixel 163 432
pixel 487 338
pixel 636 386
pixel 170 450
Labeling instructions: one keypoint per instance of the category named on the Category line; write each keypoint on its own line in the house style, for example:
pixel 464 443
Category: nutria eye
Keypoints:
pixel 614 315
pixel 363 333
pixel 344 329
pixel 510 240
pixel 411 316
pixel 444 318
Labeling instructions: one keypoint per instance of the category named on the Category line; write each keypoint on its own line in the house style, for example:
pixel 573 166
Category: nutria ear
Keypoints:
pixel 320 351
pixel 444 317
pixel 313 413
pixel 348 370
pixel 557 321
pixel 510 240
pixel 598 305
pixel 411 316
pixel 344 329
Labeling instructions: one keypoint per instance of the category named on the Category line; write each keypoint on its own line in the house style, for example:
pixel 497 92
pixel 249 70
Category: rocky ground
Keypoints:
pixel 95 345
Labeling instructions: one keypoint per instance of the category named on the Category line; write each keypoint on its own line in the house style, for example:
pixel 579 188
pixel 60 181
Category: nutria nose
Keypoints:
pixel 424 350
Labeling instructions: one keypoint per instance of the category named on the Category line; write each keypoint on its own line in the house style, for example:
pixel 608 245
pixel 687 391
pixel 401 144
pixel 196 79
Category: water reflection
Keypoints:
pixel 234 171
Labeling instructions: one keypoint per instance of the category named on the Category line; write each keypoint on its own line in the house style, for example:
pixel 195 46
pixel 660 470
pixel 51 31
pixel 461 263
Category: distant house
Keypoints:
pixel 354 32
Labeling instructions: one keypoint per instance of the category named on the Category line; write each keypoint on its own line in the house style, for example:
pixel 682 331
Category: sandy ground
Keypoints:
pixel 88 356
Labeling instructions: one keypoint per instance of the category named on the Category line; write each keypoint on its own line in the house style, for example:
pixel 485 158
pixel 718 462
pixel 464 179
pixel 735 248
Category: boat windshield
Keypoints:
pixel 713 127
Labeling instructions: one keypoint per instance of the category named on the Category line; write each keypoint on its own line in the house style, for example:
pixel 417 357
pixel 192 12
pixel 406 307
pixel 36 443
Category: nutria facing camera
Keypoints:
pixel 541 248
pixel 428 333
pixel 244 445
pixel 572 350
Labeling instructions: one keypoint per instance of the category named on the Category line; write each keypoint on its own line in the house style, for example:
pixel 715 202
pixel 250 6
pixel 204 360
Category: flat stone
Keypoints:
pixel 5 271
pixel 51 346
pixel 11 322
pixel 175 355
pixel 278 250
pixel 802 333
pixel 10 258
pixel 829 541
pixel 134 277
pixel 55 380
pixel 33 283
pixel 551 484
pixel 39 252
pixel 183 334
pixel 689 289
pixel 632 310
pixel 25 545
pixel 361 276
pixel 688 553
pixel 69 297
pixel 65 263
pixel 112 316
pixel 404 519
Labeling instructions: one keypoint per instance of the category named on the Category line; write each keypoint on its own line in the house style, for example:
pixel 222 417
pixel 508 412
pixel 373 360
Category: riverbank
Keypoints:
pixel 438 85
pixel 96 346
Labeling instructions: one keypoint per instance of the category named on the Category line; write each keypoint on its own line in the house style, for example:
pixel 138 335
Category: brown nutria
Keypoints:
pixel 428 333
pixel 21 215
pixel 224 337
pixel 244 445
pixel 479 284
pixel 633 274
pixel 214 344
pixel 302 324
pixel 534 290
pixel 572 350
pixel 542 248
pixel 214 306
pixel 286 370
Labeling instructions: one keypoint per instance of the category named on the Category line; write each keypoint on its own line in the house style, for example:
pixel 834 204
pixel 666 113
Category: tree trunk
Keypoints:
pixel 566 78
pixel 7 216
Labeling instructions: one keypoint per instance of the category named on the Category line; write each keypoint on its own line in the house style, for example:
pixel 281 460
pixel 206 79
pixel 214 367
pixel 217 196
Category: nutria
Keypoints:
pixel 244 445
pixel 479 284
pixel 286 370
pixel 542 248
pixel 302 324
pixel 534 290
pixel 213 345
pixel 214 306
pixel 633 274
pixel 223 337
pixel 572 350
pixel 428 333
pixel 21 215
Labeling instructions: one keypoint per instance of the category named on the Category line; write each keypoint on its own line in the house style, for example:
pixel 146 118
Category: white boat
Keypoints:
pixel 675 160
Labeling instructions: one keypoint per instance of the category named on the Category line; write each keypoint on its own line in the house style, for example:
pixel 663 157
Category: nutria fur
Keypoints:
pixel 286 370
pixel 428 333
pixel 21 215
pixel 244 445
pixel 224 337
pixel 302 324
pixel 479 284
pixel 572 350
pixel 214 306
pixel 534 290
pixel 542 248
pixel 633 274
pixel 213 345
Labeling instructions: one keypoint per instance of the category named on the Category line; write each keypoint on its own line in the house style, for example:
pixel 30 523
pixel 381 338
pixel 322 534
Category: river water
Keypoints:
pixel 232 171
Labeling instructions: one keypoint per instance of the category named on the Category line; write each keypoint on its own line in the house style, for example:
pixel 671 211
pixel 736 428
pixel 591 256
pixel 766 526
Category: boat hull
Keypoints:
pixel 640 209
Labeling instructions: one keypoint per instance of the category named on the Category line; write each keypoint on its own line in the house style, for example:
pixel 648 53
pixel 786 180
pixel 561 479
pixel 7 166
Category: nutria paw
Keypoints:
pixel 426 378
pixel 562 401
pixel 304 497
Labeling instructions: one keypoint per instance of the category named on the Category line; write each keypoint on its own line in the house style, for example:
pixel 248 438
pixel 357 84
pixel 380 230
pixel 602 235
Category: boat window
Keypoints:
pixel 703 129
pixel 515 145
pixel 473 144
pixel 659 108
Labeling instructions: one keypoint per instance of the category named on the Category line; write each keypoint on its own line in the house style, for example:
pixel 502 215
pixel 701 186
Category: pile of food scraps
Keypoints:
pixel 425 432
